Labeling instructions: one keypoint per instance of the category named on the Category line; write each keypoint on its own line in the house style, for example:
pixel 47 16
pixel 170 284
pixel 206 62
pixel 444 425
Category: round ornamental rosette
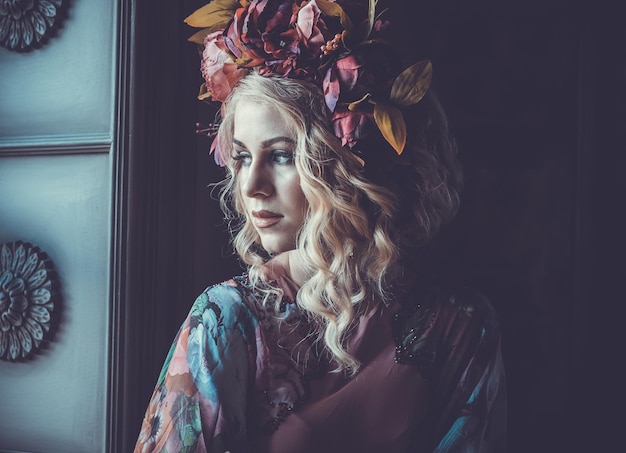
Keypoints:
pixel 342 46
pixel 24 24
pixel 27 300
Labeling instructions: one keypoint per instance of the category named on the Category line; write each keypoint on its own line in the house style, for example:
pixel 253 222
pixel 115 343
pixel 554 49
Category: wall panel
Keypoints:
pixel 63 88
pixel 56 402
pixel 56 150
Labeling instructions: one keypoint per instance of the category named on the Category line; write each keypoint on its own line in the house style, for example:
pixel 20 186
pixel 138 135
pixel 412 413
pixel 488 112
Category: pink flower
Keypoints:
pixel 218 155
pixel 218 69
pixel 307 22
pixel 381 25
pixel 351 126
pixel 351 78
pixel 340 81
pixel 178 363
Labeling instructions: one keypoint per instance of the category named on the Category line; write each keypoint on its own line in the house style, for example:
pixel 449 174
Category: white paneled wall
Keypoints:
pixel 56 151
pixel 56 402
pixel 65 87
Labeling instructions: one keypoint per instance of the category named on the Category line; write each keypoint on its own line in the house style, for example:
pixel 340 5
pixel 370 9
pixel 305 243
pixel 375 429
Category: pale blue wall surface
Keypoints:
pixel 65 87
pixel 57 401
pixel 56 135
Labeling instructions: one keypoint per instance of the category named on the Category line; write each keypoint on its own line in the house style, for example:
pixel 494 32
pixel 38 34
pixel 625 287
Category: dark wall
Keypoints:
pixel 535 94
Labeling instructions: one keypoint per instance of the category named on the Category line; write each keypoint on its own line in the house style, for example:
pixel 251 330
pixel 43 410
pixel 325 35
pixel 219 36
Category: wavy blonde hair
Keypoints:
pixel 346 236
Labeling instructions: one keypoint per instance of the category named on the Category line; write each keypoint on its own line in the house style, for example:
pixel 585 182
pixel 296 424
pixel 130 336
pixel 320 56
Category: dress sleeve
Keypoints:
pixel 452 336
pixel 199 402
pixel 470 389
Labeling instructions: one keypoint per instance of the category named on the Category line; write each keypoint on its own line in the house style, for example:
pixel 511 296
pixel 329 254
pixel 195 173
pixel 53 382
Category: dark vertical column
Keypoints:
pixel 598 395
pixel 154 202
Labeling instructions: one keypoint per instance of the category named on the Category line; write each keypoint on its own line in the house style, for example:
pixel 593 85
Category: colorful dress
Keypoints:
pixel 243 378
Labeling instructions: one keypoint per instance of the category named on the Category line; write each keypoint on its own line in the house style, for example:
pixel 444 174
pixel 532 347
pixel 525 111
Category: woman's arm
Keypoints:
pixel 480 426
pixel 200 399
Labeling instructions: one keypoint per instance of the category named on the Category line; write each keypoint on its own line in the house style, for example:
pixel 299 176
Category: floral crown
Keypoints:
pixel 339 45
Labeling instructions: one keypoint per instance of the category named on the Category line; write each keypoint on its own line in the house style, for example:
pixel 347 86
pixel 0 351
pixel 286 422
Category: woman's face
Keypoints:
pixel 267 177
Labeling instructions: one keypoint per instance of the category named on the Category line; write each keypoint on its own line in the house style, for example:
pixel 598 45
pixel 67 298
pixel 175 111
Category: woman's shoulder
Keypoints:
pixel 225 294
pixel 228 302
pixel 237 297
pixel 437 321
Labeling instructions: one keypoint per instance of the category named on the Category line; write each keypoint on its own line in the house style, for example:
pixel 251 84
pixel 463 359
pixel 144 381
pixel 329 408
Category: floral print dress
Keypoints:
pixel 243 378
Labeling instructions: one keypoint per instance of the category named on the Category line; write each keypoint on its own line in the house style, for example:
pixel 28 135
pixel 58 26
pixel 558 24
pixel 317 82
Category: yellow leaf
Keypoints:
pixel 412 84
pixel 332 9
pixel 391 124
pixel 203 94
pixel 366 26
pixel 371 16
pixel 199 36
pixel 354 105
pixel 214 15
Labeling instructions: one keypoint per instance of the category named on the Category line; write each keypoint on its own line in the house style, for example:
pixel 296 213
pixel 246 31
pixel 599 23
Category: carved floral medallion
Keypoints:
pixel 25 23
pixel 27 299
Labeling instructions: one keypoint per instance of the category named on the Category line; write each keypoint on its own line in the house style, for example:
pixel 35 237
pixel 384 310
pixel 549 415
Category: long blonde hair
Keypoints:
pixel 346 238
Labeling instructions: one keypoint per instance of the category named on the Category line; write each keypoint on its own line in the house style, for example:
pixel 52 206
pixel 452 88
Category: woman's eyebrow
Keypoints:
pixel 269 142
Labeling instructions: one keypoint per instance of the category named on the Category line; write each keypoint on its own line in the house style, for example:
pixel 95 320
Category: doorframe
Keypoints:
pixel 153 167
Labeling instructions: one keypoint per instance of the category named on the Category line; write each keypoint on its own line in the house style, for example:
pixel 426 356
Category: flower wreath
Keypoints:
pixel 340 45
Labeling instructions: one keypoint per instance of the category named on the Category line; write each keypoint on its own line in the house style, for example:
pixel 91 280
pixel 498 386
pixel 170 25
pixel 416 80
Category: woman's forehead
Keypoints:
pixel 256 123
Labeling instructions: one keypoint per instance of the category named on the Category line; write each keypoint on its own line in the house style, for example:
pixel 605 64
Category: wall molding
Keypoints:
pixel 47 145
pixel 119 377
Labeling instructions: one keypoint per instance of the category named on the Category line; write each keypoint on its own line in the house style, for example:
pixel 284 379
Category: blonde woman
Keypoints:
pixel 332 341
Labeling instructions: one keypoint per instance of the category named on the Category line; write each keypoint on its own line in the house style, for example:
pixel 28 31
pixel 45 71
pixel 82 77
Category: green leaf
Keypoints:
pixel 412 84
pixel 391 124
pixel 214 15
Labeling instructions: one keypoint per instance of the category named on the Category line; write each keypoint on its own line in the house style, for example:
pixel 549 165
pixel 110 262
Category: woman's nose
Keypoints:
pixel 257 181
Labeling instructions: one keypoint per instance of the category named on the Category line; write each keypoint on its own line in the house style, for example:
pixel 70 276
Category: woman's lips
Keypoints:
pixel 265 219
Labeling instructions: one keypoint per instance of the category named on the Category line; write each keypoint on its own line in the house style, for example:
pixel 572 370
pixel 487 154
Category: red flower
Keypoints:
pixel 281 35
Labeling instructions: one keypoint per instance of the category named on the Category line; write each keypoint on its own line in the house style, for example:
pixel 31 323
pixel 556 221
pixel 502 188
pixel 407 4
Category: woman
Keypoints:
pixel 333 340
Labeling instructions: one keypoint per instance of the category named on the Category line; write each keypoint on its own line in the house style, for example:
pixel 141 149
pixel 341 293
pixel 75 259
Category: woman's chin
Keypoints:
pixel 274 248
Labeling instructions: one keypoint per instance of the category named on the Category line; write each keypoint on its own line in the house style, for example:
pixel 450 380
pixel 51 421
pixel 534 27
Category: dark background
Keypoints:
pixel 535 91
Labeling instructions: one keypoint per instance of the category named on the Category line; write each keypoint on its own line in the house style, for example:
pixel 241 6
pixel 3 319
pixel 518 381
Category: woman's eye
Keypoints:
pixel 282 157
pixel 243 158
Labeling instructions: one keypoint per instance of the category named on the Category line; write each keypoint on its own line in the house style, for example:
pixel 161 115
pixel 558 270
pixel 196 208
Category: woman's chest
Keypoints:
pixel 378 409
